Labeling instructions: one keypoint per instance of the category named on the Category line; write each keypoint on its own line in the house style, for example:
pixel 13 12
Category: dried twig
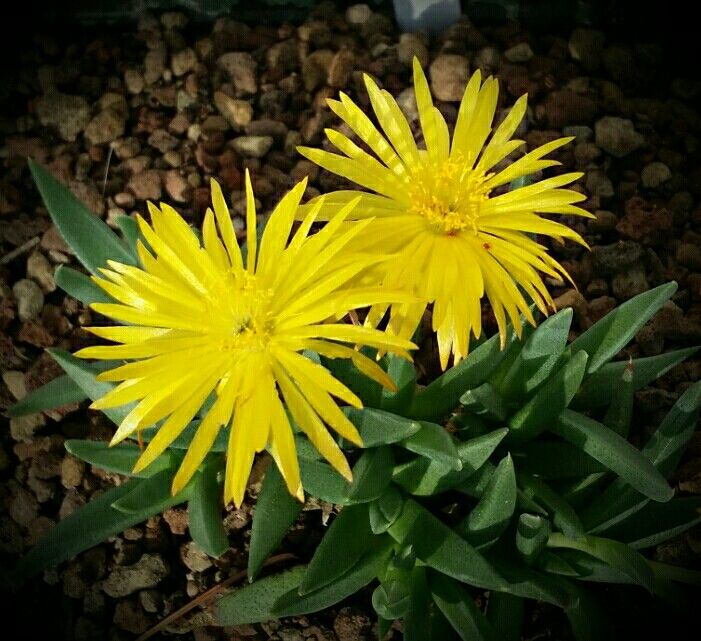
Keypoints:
pixel 207 596
pixel 18 251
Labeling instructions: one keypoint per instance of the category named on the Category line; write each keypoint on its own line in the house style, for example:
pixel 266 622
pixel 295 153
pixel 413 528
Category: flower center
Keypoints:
pixel 448 195
pixel 245 321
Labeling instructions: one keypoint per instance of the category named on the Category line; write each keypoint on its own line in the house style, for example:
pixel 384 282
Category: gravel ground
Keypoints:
pixel 152 110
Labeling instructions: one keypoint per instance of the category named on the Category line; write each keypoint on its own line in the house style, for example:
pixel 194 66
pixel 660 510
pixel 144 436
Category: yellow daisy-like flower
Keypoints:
pixel 201 321
pixel 436 209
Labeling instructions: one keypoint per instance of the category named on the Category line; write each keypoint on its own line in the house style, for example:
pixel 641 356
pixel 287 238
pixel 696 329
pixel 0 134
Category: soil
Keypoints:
pixel 151 110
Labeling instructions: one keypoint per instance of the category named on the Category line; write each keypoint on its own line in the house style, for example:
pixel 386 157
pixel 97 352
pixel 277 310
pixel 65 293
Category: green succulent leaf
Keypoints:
pixel 392 599
pixel 424 620
pixel 403 373
pixel 485 401
pixel 92 241
pixel 505 614
pixel 254 602
pixel 371 475
pixel 490 517
pixel 618 555
pixel 458 606
pixel 614 452
pixel 587 617
pixel 365 570
pixel 204 510
pixel 608 336
pixel 367 390
pixel 152 495
pixel 424 477
pixel 56 393
pixel 385 510
pixel 550 400
pixel 439 547
pixel 620 412
pixel 345 542
pixel 130 232
pixel 434 442
pixel 555 460
pixel 442 395
pixel 80 286
pixel 88 526
pixel 275 512
pixel 532 532
pixel 657 522
pixel 563 515
pixel 323 482
pixel 119 459
pixel 539 356
pixel 378 427
pixel 600 388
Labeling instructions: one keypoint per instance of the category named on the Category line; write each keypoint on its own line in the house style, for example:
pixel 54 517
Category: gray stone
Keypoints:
pixel 521 52
pixel 617 136
pixel 410 46
pixel 253 146
pixel 194 558
pixel 40 269
pixel 610 259
pixel 237 112
pixel 147 572
pixel 655 174
pixel 183 61
pixel 241 68
pixel 29 297
pixel 629 283
pixel 358 14
pixel 69 115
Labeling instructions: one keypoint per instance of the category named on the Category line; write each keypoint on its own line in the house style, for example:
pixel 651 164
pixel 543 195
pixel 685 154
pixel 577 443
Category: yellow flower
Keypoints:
pixel 454 238
pixel 202 320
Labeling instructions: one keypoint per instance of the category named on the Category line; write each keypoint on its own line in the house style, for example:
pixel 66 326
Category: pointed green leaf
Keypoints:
pixel 657 522
pixel 92 241
pixel 368 390
pixel 253 603
pixel 443 394
pixel 424 620
pixel 435 443
pixel 403 373
pixel 532 532
pixel 323 482
pixel 378 427
pixel 152 494
pixel 370 566
pixel 130 232
pixel 275 512
pixel 550 400
pixel 539 356
pixel 385 510
pixel 204 511
pixel 56 393
pixel 423 477
pixel 608 336
pixel 371 474
pixel 614 452
pixel 392 599
pixel 490 517
pixel 563 515
pixel 598 389
pixel 441 548
pixel 620 412
pixel 458 606
pixel 119 459
pixel 618 555
pixel 346 541
pixel 89 525
pixel 485 401
pixel 80 286
pixel 555 460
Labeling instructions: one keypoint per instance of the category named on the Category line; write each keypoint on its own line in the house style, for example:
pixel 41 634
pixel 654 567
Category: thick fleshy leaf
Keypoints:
pixel 424 477
pixel 130 232
pixel 392 598
pixel 486 402
pixel 599 388
pixel 458 606
pixel 88 526
pixel 80 286
pixel 618 555
pixel 490 517
pixel 152 494
pixel 435 443
pixel 204 512
pixel 555 460
pixel 323 482
pixel 443 394
pixel 371 475
pixel 608 336
pixel 367 390
pixel 539 356
pixel 119 459
pixel 378 427
pixel 385 510
pixel 424 620
pixel 549 401
pixel 92 241
pixel 441 548
pixel 56 393
pixel 505 613
pixel 254 603
pixel 403 373
pixel 613 452
pixel 345 542
pixel 532 532
pixel 657 522
pixel 275 512
pixel 563 515
pixel 620 411
pixel 364 571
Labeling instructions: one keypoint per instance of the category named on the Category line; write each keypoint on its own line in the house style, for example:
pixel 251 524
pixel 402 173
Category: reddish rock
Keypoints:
pixel 644 222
